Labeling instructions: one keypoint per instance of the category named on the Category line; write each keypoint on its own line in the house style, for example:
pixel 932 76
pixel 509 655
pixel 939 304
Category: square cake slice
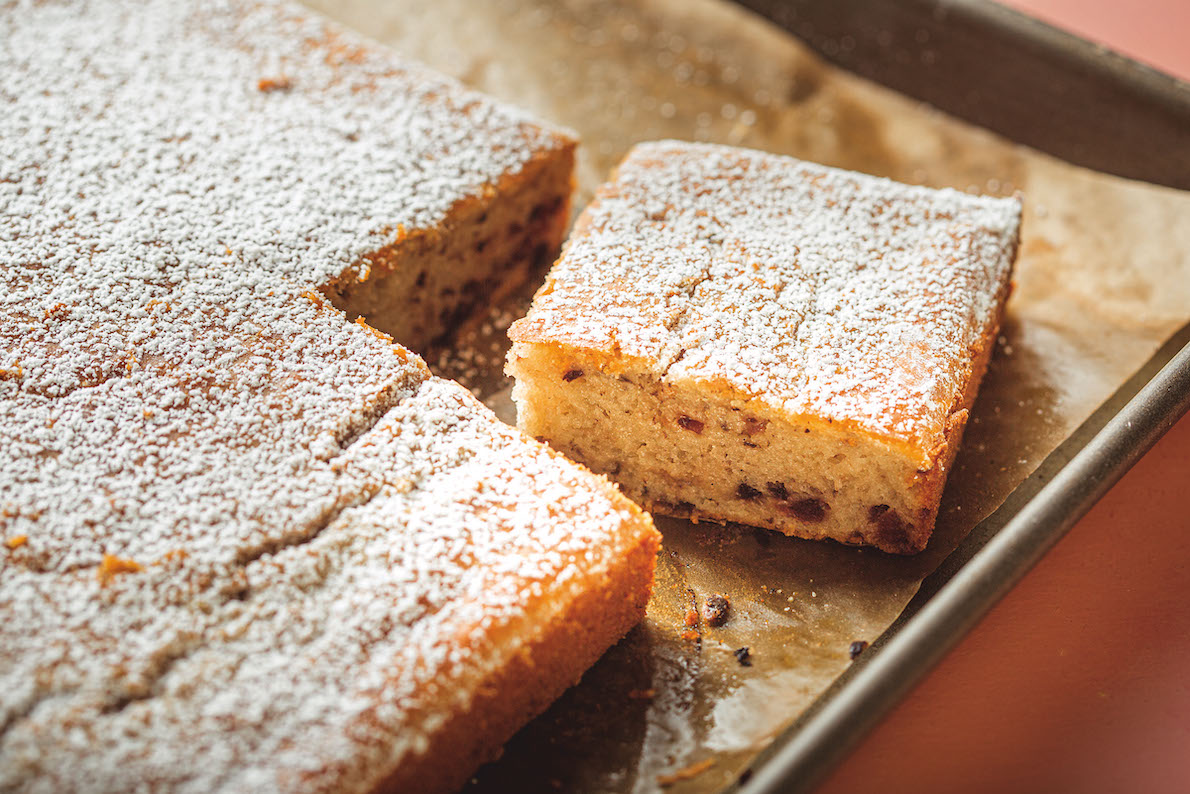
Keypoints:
pixel 746 337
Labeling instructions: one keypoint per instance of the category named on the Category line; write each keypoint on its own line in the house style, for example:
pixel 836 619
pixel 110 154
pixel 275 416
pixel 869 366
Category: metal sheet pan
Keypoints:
pixel 995 67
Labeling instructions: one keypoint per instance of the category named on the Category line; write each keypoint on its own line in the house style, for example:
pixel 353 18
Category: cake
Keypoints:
pixel 740 336
pixel 247 542
pixel 395 649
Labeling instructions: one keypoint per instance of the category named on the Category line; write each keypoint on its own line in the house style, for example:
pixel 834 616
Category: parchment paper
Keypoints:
pixel 1102 280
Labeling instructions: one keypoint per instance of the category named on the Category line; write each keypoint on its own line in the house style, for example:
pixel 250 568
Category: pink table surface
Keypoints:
pixel 1079 680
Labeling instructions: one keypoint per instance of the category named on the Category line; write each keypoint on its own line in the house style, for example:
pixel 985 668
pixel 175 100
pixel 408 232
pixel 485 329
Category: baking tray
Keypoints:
pixel 1077 101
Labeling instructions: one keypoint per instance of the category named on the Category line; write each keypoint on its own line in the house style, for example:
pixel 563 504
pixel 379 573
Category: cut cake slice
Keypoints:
pixel 745 337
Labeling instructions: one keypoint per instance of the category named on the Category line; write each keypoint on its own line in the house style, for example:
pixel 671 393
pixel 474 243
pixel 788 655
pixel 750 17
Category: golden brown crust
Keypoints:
pixel 933 481
pixel 552 659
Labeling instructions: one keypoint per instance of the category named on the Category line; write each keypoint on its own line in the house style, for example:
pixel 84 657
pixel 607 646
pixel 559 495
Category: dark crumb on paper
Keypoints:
pixel 692 771
pixel 572 374
pixel 857 647
pixel 714 612
pixel 270 84
pixel 743 656
pixel 745 776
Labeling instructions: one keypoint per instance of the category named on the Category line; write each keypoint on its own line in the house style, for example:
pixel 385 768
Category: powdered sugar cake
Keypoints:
pixel 742 336
pixel 477 577
pixel 248 544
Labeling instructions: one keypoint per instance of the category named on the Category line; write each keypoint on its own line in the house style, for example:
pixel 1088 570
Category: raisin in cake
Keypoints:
pixel 247 544
pixel 747 337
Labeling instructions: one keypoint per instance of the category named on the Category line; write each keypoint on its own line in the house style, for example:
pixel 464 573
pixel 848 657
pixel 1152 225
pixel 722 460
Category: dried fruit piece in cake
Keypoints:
pixel 746 337
pixel 248 543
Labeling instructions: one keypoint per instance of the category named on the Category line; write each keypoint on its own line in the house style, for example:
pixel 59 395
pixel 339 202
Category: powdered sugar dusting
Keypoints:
pixel 817 291
pixel 165 222
pixel 238 529
pixel 322 669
